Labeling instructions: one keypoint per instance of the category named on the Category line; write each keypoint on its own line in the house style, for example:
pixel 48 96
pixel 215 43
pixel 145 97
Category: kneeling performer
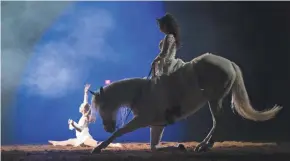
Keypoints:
pixel 83 137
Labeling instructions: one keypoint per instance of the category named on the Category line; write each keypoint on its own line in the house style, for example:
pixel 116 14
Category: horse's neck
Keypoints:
pixel 126 91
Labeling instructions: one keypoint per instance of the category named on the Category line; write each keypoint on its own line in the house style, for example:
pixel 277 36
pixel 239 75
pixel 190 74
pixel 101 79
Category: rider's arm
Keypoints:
pixel 160 45
pixel 86 97
pixel 71 127
pixel 76 126
pixel 79 127
pixel 167 44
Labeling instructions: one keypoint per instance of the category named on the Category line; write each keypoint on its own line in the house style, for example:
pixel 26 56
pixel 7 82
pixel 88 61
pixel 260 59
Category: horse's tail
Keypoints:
pixel 241 102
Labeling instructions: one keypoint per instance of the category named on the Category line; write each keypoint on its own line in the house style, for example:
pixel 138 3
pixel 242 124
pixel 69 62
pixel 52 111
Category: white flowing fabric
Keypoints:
pixel 84 134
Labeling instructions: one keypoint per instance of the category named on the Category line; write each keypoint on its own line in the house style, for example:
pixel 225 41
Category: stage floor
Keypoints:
pixel 226 151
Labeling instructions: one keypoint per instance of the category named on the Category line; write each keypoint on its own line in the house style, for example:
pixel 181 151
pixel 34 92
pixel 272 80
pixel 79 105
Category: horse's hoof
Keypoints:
pixel 181 147
pixel 202 147
pixel 96 151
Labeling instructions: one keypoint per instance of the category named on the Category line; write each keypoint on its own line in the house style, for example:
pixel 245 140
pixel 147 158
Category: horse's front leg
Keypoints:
pixel 133 125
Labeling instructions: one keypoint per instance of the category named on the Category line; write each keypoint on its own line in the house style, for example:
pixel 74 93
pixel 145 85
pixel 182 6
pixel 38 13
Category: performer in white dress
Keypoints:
pixel 83 137
pixel 165 62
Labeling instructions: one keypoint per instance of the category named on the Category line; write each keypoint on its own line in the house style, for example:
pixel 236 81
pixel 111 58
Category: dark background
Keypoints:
pixel 255 35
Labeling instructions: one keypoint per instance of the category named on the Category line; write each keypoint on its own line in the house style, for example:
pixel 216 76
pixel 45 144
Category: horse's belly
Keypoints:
pixel 159 118
pixel 159 121
pixel 191 104
pixel 189 111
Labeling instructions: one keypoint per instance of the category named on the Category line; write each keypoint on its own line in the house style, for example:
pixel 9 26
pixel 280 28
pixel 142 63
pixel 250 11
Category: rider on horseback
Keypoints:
pixel 165 62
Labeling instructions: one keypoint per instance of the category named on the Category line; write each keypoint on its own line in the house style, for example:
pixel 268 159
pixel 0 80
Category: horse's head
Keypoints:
pixel 109 99
pixel 107 109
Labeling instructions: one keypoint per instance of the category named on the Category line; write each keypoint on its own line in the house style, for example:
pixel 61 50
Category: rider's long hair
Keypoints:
pixel 172 27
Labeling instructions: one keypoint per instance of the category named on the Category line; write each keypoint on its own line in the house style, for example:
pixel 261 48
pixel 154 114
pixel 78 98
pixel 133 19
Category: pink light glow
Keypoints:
pixel 107 82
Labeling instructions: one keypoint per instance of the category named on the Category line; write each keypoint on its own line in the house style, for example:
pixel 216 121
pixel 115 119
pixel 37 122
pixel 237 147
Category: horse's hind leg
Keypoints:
pixel 156 133
pixel 207 142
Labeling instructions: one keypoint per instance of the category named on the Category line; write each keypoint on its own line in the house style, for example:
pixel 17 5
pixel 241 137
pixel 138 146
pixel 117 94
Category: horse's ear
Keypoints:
pixel 101 91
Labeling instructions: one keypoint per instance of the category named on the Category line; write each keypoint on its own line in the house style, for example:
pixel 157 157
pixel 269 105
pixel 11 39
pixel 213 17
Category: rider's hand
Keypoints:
pixel 87 87
pixel 70 121
pixel 152 64
pixel 155 61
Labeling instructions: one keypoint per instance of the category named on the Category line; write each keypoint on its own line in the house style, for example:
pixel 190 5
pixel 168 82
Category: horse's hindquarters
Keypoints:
pixel 215 75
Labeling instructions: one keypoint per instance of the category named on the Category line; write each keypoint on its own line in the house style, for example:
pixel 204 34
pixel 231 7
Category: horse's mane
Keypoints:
pixel 122 115
pixel 123 112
